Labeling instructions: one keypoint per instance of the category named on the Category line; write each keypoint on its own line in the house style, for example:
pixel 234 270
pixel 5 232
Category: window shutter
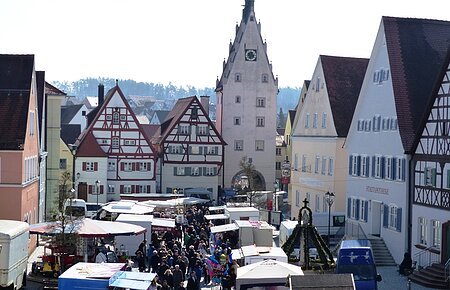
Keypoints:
pixel 366 211
pixel 385 216
pixel 215 170
pixel 122 166
pixel 349 207
pixel 350 165
pixel 84 166
pixel 90 189
pixel 138 166
pixel 175 171
pixel 187 171
pixel 373 166
pixel 121 188
pixel 148 166
pixel 148 188
pixel 403 168
pixel 133 189
pixel 399 219
pixel 95 166
pixel 196 130
pixel 394 171
pixel 200 173
pixel 433 177
pixel 169 149
pixel 216 150
pixel 367 166
pixel 358 166
pixel 383 162
pixel 200 150
pixel 133 166
pixel 101 189
pixel 204 170
pixel 357 209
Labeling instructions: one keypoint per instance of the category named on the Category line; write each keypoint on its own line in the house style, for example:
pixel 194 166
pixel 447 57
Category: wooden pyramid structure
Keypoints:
pixel 305 236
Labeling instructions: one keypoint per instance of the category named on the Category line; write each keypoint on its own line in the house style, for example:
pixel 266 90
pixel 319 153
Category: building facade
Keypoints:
pixel 246 108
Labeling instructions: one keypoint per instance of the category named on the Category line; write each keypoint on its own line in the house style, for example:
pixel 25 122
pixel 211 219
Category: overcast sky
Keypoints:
pixel 185 41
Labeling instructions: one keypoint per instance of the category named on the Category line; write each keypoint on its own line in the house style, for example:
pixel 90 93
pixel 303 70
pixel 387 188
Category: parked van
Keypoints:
pixel 75 207
pixel 14 237
pixel 92 209
pixel 356 257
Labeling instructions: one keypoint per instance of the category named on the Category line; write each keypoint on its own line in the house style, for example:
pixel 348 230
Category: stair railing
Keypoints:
pixel 426 257
pixel 447 271
pixel 355 230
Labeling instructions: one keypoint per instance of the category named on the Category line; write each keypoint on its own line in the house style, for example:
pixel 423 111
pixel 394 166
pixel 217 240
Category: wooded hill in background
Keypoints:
pixel 287 96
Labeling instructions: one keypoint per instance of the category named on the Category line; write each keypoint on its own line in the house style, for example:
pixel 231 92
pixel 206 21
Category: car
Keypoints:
pixel 92 208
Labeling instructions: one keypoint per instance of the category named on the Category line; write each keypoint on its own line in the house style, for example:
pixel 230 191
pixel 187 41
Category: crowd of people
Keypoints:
pixel 189 256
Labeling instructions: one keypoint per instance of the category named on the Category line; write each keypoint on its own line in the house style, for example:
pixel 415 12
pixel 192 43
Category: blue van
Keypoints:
pixel 356 257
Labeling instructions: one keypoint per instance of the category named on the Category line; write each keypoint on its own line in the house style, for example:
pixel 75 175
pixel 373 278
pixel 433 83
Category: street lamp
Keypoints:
pixel 73 150
pixel 275 197
pixel 329 198
pixel 97 189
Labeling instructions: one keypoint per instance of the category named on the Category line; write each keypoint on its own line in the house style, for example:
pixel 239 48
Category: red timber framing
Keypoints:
pixel 432 157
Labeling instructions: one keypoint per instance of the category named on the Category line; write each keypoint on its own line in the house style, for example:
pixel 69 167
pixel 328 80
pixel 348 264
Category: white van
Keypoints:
pixel 75 207
pixel 14 237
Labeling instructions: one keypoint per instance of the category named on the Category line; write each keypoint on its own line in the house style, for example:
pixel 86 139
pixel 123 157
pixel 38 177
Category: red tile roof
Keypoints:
pixel 417 50
pixel 343 77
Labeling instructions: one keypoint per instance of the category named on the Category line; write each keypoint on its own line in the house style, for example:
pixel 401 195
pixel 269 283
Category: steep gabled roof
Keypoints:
pixel 52 90
pixel 89 146
pixel 162 115
pixel 16 72
pixel 417 51
pixel 172 119
pixel 150 130
pixel 343 77
pixel 40 95
pixel 69 112
pixel 70 133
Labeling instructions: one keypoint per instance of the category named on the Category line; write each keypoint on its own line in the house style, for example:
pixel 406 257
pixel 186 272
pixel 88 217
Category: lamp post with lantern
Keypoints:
pixel 329 198
pixel 97 189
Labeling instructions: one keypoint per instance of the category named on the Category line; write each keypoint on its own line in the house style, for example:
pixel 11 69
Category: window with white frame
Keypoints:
pixel 210 171
pixel 376 123
pixel 195 149
pixel 183 129
pixel 355 164
pixel 90 166
pixel 360 126
pixel 115 142
pixel 367 125
pixel 324 120
pixel 365 160
pixel 141 189
pixel 315 120
pixel 175 149
pixel 435 233
pixel 130 142
pixel 127 188
pixel 180 171
pixel 123 117
pixel 278 151
pixel 330 166
pixel 278 165
pixel 389 167
pixel 430 176
pixel 238 145
pixel 324 165
pixel 108 117
pixel 297 198
pixel 307 120
pixel 260 102
pixel 211 150
pixel 303 163
pixel 116 118
pixel 111 188
pixel 393 124
pixel 128 166
pixel 392 216
pixel 32 124
pixel 317 205
pixel 259 145
pixel 111 166
pixel 378 166
pixel 62 163
pixel 202 130
pixel 400 164
pixel 260 121
pixel 385 124
pixel 195 171
pixel 143 166
pixel 362 209
pixel 422 232
pixel 316 164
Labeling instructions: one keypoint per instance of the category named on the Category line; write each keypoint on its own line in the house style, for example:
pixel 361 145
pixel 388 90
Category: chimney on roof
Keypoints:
pixel 204 100
pixel 101 94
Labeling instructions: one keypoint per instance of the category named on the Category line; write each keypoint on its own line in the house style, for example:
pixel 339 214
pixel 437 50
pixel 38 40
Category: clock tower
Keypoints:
pixel 247 107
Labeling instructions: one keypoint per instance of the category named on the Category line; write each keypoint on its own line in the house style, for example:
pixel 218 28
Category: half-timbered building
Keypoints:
pixel 190 149
pixel 431 178
pixel 405 61
pixel 113 155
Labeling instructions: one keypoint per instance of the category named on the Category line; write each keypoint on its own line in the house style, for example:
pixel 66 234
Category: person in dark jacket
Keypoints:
pixel 193 282
pixel 406 264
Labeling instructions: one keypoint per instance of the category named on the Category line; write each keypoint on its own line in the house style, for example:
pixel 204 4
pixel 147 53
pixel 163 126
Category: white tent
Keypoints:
pixel 175 202
pixel 128 206
pixel 265 273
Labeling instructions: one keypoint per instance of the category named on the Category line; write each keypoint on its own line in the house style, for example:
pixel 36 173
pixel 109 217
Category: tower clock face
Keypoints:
pixel 250 54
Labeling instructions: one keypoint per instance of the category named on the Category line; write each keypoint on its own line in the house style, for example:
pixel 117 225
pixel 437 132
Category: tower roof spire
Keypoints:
pixel 249 7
